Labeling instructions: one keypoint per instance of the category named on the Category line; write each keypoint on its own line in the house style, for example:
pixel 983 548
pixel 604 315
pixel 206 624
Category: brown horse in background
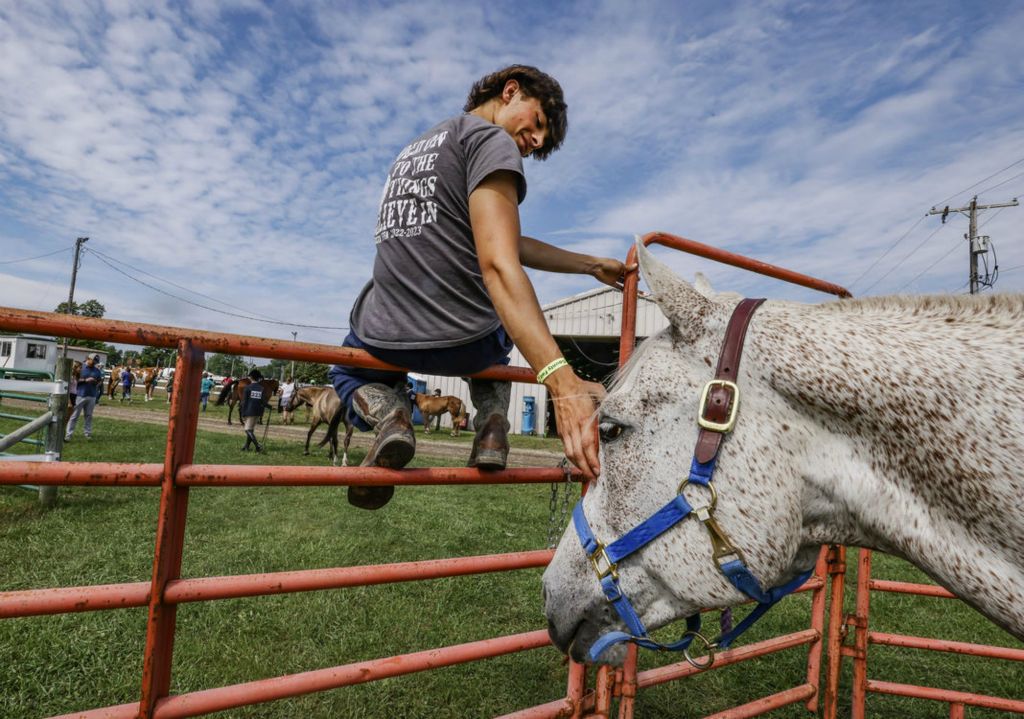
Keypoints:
pixel 148 377
pixel 304 397
pixel 325 407
pixel 435 406
pixel 115 380
pixel 232 394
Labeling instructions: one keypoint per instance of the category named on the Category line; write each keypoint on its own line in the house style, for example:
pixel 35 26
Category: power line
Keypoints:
pixel 1017 162
pixel 891 248
pixel 905 258
pixel 174 284
pixel 979 245
pixel 991 217
pixel 915 278
pixel 212 309
pixel 937 204
pixel 999 184
pixel 37 257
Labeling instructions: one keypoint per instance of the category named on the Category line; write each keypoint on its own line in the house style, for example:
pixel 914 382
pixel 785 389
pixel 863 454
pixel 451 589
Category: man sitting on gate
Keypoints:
pixel 448 244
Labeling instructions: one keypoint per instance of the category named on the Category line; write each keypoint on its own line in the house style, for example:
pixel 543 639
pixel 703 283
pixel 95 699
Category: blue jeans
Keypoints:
pixel 455 361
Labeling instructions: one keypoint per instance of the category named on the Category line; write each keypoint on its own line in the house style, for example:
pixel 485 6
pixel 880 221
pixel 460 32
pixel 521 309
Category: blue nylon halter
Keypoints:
pixel 606 558
pixel 673 512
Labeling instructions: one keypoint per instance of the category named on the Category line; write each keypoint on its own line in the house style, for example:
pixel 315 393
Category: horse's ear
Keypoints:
pixel 703 285
pixel 684 307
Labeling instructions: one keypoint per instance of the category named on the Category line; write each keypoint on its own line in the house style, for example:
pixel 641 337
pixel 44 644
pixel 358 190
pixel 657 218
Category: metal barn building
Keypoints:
pixel 586 327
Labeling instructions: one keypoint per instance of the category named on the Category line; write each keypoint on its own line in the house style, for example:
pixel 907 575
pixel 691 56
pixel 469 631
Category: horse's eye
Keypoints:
pixel 609 430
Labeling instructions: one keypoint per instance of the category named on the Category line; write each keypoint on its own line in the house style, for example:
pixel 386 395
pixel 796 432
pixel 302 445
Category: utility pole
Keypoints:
pixel 295 336
pixel 977 245
pixel 74 275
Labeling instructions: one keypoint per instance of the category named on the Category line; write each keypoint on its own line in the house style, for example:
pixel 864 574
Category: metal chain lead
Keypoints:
pixel 558 512
pixel 552 518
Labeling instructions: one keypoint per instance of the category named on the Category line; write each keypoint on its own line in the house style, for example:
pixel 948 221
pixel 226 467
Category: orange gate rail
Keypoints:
pixel 167 589
pixel 863 637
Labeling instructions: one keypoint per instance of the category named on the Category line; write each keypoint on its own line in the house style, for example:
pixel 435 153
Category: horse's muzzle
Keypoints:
pixel 575 622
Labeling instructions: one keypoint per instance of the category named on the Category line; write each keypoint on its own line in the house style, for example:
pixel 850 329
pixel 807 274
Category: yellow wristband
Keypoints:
pixel 551 368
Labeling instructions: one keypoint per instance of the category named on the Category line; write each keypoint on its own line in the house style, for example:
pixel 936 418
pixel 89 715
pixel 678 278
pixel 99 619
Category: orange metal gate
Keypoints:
pixel 863 637
pixel 167 589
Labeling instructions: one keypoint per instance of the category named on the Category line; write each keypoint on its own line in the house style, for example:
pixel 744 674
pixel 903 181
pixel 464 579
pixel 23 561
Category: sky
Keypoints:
pixel 226 159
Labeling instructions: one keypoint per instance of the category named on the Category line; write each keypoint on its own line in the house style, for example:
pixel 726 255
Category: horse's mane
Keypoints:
pixel 642 349
pixel 1003 305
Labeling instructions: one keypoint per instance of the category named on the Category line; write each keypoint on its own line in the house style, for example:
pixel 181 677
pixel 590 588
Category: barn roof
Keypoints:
pixel 585 296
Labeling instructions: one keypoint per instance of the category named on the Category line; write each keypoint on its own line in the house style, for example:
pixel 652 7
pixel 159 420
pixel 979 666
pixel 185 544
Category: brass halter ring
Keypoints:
pixel 708 646
pixel 709 485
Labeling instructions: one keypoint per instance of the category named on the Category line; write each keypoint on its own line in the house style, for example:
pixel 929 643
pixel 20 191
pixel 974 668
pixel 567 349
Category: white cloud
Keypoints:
pixel 239 149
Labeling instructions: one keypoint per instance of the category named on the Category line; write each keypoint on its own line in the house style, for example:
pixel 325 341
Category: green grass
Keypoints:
pixel 56 664
pixel 159 405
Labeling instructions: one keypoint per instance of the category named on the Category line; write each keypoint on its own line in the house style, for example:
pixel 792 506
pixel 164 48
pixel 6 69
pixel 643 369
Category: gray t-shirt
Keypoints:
pixel 427 290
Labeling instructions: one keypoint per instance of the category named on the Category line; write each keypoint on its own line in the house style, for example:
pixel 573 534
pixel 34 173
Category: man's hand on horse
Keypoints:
pixel 611 272
pixel 575 409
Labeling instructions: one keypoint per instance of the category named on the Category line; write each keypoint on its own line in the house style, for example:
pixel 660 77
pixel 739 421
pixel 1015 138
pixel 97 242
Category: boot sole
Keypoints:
pixel 393 453
pixel 489 459
pixel 370 497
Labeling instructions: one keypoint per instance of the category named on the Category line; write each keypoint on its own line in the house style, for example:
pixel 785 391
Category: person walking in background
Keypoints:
pixel 170 384
pixel 252 409
pixel 89 380
pixel 204 389
pixel 127 381
pixel 285 402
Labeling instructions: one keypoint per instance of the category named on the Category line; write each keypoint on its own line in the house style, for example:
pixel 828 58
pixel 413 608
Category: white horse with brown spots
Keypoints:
pixel 894 423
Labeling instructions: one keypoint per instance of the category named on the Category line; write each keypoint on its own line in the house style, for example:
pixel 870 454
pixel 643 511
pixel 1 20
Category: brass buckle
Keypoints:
pixel 609 568
pixel 722 427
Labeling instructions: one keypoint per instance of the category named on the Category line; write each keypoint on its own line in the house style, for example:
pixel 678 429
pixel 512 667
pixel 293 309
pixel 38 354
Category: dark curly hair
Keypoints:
pixel 535 84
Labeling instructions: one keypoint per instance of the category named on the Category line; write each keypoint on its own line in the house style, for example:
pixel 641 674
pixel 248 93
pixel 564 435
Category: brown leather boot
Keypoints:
pixel 490 445
pixel 395 444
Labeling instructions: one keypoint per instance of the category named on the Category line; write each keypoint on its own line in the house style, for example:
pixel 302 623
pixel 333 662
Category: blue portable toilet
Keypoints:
pixel 418 385
pixel 529 406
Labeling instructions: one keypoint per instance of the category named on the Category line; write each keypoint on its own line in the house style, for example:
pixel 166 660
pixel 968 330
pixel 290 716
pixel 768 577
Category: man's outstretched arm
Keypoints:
pixel 538 255
pixel 494 216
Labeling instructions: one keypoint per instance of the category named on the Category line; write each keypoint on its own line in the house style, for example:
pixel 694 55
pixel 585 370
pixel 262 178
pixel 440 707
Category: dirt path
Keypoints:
pixel 425 447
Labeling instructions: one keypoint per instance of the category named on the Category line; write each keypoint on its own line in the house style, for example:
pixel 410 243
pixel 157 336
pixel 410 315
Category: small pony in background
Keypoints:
pixel 438 405
pixel 325 407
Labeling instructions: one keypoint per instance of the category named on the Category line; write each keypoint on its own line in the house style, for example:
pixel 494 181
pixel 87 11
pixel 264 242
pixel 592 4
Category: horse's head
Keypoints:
pixel 302 396
pixel 648 427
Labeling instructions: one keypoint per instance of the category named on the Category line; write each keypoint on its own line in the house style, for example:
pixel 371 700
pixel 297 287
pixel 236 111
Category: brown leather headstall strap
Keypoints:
pixel 718 406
